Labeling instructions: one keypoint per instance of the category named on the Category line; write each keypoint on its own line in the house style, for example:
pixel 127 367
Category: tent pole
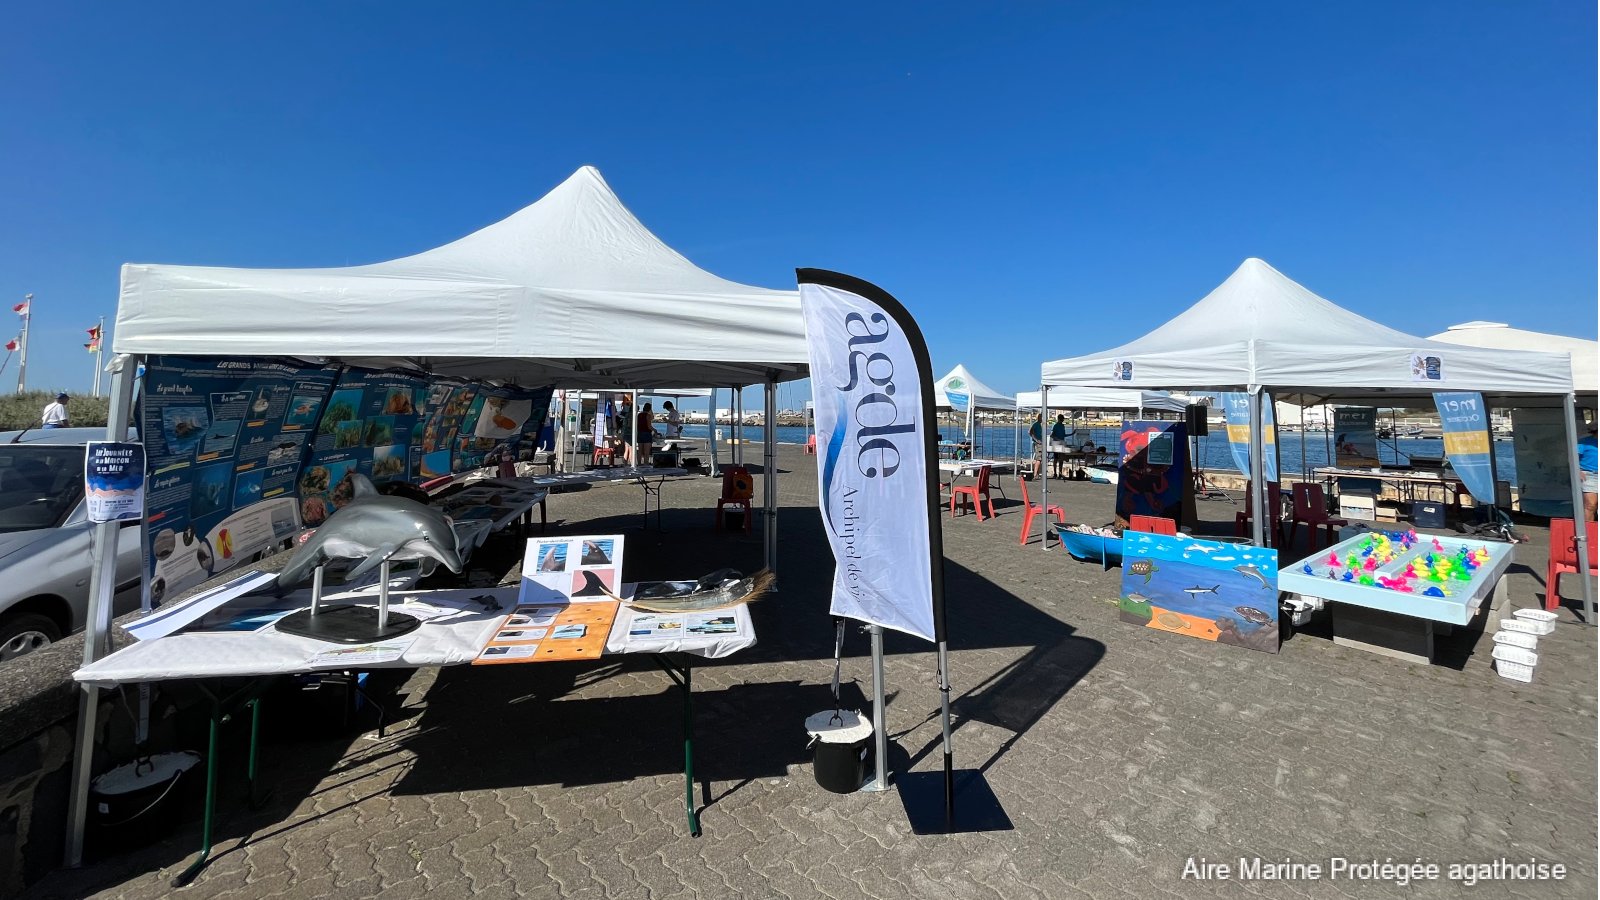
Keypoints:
pixel 880 736
pixel 1016 433
pixel 1580 521
pixel 633 427
pixel 711 433
pixel 1044 466
pixel 97 627
pixel 736 424
pixel 769 474
pixel 1258 486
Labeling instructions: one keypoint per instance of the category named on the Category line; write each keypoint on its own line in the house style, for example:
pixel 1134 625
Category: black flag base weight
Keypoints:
pixel 976 806
pixel 346 625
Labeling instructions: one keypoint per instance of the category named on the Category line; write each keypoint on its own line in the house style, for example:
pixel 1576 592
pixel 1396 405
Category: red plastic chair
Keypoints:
pixel 606 453
pixel 977 492
pixel 811 445
pixel 1241 520
pixel 1564 557
pixel 1034 509
pixel 1153 525
pixel 1311 507
pixel 737 490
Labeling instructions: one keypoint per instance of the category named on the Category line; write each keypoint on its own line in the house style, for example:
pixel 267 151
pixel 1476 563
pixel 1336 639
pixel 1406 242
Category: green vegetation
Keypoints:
pixel 18 411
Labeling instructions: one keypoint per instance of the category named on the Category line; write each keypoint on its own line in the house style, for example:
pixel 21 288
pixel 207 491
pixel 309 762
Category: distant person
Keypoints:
pixel 1589 465
pixel 1036 434
pixel 647 433
pixel 674 421
pixel 55 412
pixel 1058 435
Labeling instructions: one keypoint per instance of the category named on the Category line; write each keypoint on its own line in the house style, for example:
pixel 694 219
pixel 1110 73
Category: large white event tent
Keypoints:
pixel 1261 332
pixel 572 291
pixel 1101 398
pixel 1496 335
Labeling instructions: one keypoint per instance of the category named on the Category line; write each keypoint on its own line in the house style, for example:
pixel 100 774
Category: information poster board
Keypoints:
pixel 500 423
pixel 1146 485
pixel 1355 430
pixel 448 404
pixel 371 422
pixel 1544 485
pixel 1227 593
pixel 225 440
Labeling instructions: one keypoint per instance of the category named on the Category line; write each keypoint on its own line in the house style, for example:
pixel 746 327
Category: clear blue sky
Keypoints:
pixel 1033 183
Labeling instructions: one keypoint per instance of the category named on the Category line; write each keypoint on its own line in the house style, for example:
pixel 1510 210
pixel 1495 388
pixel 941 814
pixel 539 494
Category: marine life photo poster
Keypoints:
pixel 1215 591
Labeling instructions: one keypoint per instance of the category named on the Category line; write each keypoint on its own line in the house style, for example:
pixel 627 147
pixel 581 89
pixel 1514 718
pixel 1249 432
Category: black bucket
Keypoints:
pixel 138 803
pixel 840 739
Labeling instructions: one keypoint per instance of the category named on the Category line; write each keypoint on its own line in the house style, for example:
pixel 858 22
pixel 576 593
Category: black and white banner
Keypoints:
pixel 877 469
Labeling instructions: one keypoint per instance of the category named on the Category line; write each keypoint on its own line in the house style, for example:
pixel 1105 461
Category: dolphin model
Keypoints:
pixel 1253 572
pixel 377 527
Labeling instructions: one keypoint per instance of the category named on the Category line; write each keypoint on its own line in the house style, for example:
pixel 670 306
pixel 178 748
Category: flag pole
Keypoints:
pixel 99 351
pixel 22 360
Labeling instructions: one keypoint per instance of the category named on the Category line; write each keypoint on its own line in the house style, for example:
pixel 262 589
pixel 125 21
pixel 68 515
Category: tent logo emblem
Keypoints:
pixel 1426 368
pixel 1122 370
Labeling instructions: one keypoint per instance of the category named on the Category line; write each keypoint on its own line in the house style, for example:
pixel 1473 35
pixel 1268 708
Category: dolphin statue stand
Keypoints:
pixel 379 528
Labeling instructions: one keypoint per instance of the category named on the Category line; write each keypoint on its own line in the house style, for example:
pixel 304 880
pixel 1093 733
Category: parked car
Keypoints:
pixel 45 540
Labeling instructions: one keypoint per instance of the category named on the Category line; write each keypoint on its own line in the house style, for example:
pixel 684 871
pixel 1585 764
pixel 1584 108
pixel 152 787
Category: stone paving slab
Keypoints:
pixel 1119 753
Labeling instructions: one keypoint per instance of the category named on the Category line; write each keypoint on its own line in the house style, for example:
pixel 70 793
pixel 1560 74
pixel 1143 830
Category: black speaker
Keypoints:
pixel 1194 416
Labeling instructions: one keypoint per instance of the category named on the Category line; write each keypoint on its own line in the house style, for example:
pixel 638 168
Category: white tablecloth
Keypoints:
pixel 446 641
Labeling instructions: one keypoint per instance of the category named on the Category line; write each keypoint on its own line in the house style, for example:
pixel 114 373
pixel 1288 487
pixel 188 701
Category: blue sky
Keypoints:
pixel 1033 182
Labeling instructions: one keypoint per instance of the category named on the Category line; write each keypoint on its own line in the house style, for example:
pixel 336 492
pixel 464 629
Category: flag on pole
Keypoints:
pixel 13 343
pixel 874 411
pixel 94 340
pixel 21 309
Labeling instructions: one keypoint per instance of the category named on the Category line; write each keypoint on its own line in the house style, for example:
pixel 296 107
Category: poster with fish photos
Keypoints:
pixel 571 569
pixel 224 440
pixel 1212 590
pixel 367 427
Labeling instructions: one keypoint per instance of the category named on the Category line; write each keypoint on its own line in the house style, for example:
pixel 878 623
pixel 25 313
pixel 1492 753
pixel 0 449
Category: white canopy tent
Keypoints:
pixel 962 392
pixel 962 381
pixel 1261 332
pixel 1585 354
pixel 572 291
pixel 1095 398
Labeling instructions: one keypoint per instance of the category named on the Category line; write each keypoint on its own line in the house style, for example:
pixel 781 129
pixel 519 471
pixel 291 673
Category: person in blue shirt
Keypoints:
pixel 1058 435
pixel 1589 467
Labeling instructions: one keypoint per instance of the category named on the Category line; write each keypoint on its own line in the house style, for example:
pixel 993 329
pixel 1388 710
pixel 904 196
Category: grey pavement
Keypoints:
pixel 1118 752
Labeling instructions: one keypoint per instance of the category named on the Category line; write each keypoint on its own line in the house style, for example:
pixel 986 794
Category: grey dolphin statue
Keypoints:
pixel 376 527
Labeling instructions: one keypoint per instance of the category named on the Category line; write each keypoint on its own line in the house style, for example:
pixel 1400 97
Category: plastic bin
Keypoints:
pixel 1513 671
pixel 137 803
pixel 1428 514
pixel 1527 626
pixel 839 762
pixel 1508 653
pixel 1517 639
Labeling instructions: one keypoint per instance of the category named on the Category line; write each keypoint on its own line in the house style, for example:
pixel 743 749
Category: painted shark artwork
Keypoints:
pixel 1186 586
pixel 376 527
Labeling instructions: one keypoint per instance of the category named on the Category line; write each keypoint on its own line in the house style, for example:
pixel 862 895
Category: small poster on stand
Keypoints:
pixel 566 605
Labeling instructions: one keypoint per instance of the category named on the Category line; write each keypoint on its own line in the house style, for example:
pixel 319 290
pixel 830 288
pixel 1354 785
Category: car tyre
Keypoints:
pixel 23 633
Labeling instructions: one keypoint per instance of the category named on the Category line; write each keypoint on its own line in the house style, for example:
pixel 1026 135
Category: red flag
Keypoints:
pixel 21 309
pixel 94 340
pixel 12 344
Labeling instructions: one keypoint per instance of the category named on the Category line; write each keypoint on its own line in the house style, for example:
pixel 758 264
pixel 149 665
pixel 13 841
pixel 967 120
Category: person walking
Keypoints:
pixel 1589 467
pixel 55 412
pixel 1058 437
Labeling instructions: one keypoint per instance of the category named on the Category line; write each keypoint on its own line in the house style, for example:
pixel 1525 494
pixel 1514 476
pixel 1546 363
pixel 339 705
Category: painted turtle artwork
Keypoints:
pixel 1201 588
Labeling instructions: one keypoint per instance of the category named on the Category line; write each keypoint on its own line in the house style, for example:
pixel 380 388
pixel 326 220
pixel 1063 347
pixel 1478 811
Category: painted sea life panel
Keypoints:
pixel 1211 590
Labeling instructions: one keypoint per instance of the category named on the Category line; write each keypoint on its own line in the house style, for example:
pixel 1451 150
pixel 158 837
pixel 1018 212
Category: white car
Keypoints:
pixel 45 540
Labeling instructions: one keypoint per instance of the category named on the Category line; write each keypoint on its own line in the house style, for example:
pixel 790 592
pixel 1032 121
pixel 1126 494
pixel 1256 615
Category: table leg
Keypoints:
pixel 211 798
pixel 684 678
pixel 257 800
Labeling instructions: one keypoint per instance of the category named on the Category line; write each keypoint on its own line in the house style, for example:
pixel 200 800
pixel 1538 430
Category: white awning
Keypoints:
pixel 572 290
pixel 1103 398
pixel 1585 358
pixel 960 380
pixel 1261 328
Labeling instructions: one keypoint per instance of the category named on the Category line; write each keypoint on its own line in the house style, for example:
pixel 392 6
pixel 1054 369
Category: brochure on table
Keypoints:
pixel 566 603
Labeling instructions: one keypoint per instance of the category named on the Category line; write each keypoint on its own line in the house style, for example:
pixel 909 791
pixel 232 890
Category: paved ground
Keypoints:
pixel 1118 753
